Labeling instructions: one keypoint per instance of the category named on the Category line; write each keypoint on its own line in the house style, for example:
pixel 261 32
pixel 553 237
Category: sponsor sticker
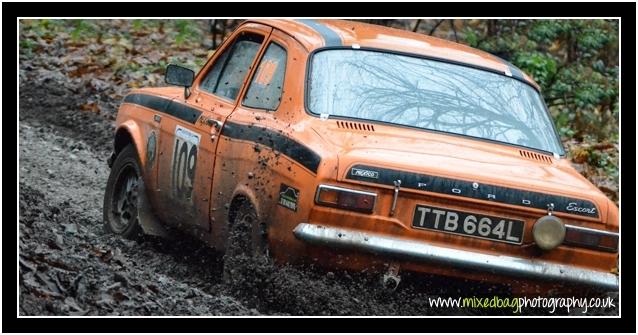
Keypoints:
pixel 365 173
pixel 288 197
pixel 187 135
pixel 266 72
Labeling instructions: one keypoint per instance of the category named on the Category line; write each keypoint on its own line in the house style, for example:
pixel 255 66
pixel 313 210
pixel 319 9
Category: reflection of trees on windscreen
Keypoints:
pixel 429 94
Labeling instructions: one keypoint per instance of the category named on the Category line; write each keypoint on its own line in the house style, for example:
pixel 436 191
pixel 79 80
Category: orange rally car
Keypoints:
pixel 362 147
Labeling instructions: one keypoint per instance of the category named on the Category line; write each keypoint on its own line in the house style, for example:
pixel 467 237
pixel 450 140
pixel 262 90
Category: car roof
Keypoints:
pixel 318 33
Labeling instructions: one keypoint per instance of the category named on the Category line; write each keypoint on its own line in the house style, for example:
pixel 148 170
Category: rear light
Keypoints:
pixel 591 238
pixel 344 198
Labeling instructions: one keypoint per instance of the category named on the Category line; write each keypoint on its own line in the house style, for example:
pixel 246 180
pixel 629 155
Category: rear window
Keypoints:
pixel 430 94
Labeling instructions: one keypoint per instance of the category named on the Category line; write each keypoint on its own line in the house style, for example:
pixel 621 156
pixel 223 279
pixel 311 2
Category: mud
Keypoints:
pixel 68 265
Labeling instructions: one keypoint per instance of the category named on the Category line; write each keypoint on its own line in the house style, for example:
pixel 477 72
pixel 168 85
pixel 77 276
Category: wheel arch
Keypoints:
pixel 241 195
pixel 126 133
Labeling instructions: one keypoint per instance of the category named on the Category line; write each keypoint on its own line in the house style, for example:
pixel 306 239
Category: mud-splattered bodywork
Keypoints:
pixel 204 153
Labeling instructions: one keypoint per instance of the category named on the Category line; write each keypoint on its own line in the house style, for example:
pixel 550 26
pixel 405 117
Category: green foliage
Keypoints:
pixel 27 46
pixel 137 24
pixel 186 30
pixel 574 61
pixel 540 66
pixel 82 29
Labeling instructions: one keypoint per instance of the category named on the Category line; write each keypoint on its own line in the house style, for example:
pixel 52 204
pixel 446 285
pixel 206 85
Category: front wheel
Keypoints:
pixel 121 199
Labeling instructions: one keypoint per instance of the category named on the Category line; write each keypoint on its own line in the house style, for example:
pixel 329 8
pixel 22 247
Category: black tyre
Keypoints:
pixel 247 240
pixel 121 199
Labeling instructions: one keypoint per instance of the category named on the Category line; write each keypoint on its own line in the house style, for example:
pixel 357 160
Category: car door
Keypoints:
pixel 259 157
pixel 189 134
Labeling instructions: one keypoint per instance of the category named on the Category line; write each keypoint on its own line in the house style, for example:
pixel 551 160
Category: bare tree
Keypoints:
pixel 456 38
pixel 213 32
pixel 435 26
pixel 416 25
pixel 465 105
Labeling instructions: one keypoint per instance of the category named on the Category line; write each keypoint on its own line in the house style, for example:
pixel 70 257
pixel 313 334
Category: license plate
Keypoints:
pixel 468 224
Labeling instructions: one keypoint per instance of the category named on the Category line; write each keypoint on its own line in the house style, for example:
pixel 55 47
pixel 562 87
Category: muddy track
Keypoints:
pixel 70 266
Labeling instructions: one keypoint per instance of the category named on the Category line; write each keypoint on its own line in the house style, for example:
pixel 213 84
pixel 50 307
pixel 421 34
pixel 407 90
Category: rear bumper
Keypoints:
pixel 421 251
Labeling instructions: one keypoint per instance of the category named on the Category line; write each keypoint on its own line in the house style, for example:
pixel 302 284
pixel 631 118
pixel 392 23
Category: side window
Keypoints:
pixel 267 84
pixel 230 69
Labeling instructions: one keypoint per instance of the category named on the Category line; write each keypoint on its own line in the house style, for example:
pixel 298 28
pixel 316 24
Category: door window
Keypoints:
pixel 230 69
pixel 267 83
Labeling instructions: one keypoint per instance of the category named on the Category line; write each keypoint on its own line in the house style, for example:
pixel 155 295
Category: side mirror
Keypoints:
pixel 180 76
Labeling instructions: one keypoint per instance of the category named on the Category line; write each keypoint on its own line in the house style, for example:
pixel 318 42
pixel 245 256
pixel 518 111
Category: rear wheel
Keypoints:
pixel 247 240
pixel 121 199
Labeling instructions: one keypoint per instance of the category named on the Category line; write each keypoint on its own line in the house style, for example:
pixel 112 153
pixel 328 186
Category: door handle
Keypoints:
pixel 157 118
pixel 214 123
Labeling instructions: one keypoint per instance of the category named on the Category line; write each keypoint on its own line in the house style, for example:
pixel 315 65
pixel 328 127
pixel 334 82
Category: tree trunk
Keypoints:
pixel 435 26
pixel 213 30
pixel 223 30
pixel 491 28
pixel 571 47
pixel 456 38
pixel 416 25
